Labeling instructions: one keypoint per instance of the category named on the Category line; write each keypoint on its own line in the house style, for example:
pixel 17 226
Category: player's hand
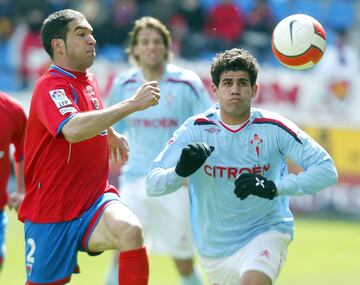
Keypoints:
pixel 119 148
pixel 147 95
pixel 15 200
pixel 192 157
pixel 254 184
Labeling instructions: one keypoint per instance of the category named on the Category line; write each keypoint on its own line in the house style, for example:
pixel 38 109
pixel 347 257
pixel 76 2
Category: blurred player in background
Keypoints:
pixel 165 220
pixel 235 156
pixel 69 205
pixel 12 132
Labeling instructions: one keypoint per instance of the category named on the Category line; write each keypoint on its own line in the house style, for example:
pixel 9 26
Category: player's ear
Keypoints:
pixel 58 45
pixel 135 51
pixel 254 90
pixel 214 90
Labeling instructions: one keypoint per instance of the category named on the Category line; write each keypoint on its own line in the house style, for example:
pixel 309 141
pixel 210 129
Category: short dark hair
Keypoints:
pixel 235 59
pixel 152 23
pixel 55 26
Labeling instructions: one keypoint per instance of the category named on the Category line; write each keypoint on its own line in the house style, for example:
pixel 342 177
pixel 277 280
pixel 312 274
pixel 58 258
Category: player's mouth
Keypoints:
pixel 91 51
pixel 235 99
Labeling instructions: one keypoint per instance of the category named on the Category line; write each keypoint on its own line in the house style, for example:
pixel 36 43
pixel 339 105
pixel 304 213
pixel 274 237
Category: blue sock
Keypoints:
pixel 193 279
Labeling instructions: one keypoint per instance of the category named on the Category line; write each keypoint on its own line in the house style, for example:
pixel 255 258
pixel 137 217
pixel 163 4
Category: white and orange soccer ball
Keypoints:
pixel 298 41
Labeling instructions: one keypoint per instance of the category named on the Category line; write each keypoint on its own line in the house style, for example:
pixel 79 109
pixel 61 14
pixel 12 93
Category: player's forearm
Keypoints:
pixel 162 181
pixel 19 174
pixel 89 124
pixel 314 179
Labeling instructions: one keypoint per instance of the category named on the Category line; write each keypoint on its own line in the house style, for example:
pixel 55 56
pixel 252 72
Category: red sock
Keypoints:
pixel 134 267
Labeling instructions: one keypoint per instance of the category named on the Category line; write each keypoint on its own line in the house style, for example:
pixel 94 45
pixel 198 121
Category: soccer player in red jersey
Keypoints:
pixel 69 205
pixel 12 132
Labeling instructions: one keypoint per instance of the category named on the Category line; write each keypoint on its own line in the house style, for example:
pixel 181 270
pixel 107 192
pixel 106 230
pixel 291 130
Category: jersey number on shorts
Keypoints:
pixel 30 256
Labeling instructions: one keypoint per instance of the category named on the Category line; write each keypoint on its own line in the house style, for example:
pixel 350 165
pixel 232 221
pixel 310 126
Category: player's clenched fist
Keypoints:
pixel 192 157
pixel 147 95
pixel 254 184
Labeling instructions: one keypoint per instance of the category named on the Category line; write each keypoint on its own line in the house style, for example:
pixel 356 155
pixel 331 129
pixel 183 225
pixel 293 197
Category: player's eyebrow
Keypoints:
pixel 242 79
pixel 80 27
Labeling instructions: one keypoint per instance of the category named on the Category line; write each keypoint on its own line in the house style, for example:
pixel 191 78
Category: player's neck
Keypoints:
pixel 70 64
pixel 233 120
pixel 152 72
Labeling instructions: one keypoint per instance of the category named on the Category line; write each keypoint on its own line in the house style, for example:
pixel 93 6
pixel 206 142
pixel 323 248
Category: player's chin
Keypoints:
pixel 91 54
pixel 90 60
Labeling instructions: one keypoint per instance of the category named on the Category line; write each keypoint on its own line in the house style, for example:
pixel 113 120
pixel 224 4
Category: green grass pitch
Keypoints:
pixel 324 252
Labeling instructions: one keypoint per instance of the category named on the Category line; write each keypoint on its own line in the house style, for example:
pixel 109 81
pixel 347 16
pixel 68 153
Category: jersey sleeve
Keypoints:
pixel 162 178
pixel 319 168
pixel 56 103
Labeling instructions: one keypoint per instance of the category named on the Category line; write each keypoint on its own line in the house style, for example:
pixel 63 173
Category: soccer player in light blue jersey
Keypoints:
pixel 164 219
pixel 235 157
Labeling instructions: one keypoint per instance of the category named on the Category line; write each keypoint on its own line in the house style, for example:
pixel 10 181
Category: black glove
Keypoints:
pixel 192 157
pixel 254 184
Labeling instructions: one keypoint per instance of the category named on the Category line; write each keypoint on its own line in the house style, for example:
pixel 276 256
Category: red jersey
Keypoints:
pixel 62 179
pixel 12 131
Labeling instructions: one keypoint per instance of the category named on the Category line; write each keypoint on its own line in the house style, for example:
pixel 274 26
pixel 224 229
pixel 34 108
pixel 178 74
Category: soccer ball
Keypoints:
pixel 298 41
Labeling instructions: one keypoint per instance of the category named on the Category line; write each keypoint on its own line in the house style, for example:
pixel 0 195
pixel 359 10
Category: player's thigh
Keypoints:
pixel 263 257
pixel 51 251
pixel 133 194
pixel 266 254
pixel 170 229
pixel 117 228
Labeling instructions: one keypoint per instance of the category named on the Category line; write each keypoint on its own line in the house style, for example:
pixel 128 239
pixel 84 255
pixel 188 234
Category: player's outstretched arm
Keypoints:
pixel 254 184
pixel 168 172
pixel 192 157
pixel 89 124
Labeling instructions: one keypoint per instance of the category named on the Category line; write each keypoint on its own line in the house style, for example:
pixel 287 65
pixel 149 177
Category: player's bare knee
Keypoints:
pixel 185 267
pixel 131 237
pixel 254 277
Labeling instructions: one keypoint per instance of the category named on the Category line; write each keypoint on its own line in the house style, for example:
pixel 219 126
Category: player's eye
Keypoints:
pixel 144 42
pixel 158 42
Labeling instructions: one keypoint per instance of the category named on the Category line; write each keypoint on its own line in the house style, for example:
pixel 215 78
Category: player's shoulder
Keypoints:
pixel 9 102
pixel 130 76
pixel 208 117
pixel 52 82
pixel 180 73
pixel 50 79
pixel 263 113
pixel 266 117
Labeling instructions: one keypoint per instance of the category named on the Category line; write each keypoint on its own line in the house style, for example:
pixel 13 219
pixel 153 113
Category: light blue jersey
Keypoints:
pixel 182 95
pixel 222 223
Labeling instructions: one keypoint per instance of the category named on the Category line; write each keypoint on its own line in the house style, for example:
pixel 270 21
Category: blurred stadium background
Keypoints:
pixel 325 100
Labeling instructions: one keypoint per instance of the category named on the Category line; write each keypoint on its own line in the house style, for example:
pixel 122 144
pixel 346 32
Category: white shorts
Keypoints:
pixel 165 219
pixel 266 253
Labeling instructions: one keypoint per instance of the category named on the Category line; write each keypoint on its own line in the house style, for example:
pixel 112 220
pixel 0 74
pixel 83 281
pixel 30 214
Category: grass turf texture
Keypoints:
pixel 324 252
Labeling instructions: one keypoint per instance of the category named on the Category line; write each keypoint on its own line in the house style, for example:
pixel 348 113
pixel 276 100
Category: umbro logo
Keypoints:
pixel 212 130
